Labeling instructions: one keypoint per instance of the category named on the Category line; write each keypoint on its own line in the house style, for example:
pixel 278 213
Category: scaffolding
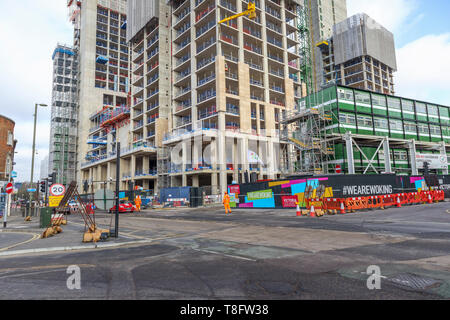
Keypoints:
pixel 308 147
pixel 63 133
pixel 162 167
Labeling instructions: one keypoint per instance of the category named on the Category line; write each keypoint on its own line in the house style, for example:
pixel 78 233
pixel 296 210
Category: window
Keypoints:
pixel 345 94
pixel 378 100
pixel 408 105
pixel 395 125
pixel 421 108
pixel 410 127
pixel 432 110
pixel 423 128
pixel 364 121
pixel 362 97
pixel 10 138
pixel 400 155
pixel 346 118
pixel 393 103
pixel 381 123
pixel 435 130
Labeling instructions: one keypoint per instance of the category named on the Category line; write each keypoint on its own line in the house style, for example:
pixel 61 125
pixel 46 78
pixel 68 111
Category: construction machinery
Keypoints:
pixel 250 12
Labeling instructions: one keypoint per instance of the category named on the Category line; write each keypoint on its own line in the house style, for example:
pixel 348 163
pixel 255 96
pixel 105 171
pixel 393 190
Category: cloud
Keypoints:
pixel 423 69
pixel 391 14
pixel 29 33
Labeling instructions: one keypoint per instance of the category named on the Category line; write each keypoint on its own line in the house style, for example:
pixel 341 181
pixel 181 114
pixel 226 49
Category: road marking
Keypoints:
pixel 448 211
pixel 58 266
pixel 224 254
pixel 127 235
pixel 35 237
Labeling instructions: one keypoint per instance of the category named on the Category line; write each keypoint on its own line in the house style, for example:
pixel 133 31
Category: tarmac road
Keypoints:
pixel 250 254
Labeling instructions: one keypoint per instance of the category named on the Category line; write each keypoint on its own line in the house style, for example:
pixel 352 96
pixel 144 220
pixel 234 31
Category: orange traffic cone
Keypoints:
pixel 312 213
pixel 429 198
pixel 399 205
pixel 342 211
pixel 299 213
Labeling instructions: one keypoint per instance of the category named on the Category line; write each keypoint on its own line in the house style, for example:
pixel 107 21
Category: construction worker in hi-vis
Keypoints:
pixel 226 202
pixel 138 203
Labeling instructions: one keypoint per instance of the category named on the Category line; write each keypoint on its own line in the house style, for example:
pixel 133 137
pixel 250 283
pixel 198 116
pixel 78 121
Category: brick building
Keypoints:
pixel 7 146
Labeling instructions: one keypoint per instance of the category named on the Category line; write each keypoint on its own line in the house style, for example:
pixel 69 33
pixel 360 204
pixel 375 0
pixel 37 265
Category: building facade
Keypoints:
pixel 64 115
pixel 7 147
pixel 103 88
pixel 360 54
pixel 207 98
pixel 374 133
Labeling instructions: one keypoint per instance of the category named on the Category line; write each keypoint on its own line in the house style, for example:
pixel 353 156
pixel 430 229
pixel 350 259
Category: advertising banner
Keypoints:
pixel 289 201
pixel 435 161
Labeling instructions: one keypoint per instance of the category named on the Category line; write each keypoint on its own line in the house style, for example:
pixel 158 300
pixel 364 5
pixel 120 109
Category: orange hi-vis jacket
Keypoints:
pixel 226 199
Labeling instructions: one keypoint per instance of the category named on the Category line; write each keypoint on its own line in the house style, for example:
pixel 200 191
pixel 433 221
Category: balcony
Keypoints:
pixel 207 112
pixel 206 95
pixel 232 109
pixel 206 79
pixel 206 44
pixel 205 62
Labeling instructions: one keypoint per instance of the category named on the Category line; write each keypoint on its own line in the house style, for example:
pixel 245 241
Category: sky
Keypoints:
pixel 30 30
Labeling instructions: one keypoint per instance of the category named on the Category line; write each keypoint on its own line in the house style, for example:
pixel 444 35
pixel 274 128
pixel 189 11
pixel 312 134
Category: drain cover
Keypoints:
pixel 413 281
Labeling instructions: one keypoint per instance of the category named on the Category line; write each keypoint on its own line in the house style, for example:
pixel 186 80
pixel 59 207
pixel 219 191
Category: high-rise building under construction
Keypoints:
pixel 103 112
pixel 323 15
pixel 360 54
pixel 208 97
pixel 63 132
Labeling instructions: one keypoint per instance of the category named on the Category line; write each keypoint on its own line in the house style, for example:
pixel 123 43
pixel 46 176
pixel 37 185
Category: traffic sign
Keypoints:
pixel 9 188
pixel 13 174
pixel 57 190
pixel 31 190
pixel 54 201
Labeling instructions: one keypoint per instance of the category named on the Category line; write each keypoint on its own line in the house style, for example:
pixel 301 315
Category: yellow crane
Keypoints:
pixel 250 12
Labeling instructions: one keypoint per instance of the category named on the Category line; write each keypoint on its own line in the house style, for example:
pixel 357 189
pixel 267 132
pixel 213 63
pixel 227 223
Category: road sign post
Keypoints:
pixel 116 231
pixel 9 189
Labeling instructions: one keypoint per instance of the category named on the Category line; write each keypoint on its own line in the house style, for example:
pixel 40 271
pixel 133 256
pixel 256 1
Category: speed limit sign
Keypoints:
pixel 57 190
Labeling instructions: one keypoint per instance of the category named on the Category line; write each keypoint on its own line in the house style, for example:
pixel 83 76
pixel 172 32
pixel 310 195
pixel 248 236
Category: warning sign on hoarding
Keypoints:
pixel 435 161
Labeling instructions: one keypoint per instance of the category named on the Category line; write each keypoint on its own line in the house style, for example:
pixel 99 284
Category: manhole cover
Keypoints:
pixel 413 281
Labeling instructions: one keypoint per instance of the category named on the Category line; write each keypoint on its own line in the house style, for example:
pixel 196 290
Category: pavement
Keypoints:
pixel 203 253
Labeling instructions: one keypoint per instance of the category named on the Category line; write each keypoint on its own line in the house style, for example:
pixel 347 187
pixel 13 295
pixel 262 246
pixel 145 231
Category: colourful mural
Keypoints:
pixel 419 183
pixel 288 191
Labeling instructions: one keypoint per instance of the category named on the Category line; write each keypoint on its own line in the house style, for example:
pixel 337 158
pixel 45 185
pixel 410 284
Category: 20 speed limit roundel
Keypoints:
pixel 57 190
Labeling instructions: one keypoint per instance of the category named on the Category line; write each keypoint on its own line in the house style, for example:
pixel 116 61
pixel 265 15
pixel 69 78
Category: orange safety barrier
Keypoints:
pixel 356 203
pixel 343 205
pixel 334 205
pixel 388 200
pixel 414 198
pixel 374 202
pixel 317 204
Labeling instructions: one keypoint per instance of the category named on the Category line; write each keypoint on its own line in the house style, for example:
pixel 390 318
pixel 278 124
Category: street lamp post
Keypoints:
pixel 34 148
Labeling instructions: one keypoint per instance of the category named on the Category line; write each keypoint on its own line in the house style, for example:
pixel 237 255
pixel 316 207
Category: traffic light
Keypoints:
pixel 52 178
pixel 43 186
